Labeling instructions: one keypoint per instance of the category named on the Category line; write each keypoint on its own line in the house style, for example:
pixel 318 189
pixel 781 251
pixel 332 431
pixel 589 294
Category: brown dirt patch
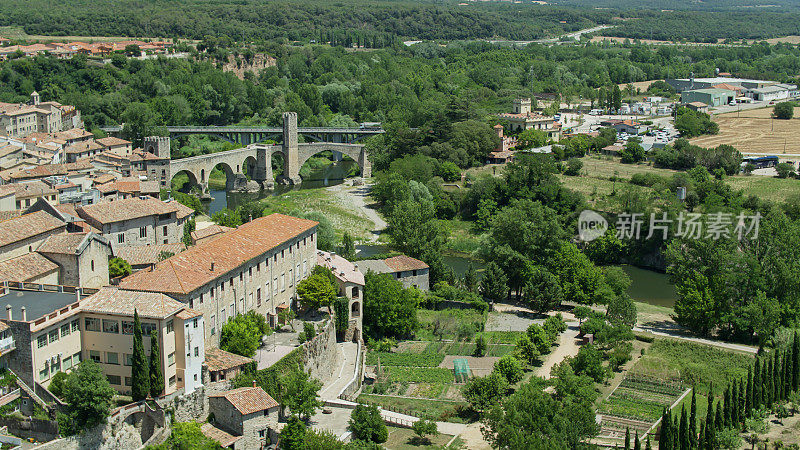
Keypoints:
pixel 754 131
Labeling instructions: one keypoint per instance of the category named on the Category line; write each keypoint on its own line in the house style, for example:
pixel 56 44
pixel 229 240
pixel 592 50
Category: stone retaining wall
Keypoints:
pixel 321 356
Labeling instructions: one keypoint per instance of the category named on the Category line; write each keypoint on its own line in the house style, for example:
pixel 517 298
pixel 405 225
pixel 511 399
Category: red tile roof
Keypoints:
pixel 127 209
pixel 110 300
pixel 26 267
pixel 218 359
pixel 403 262
pixel 248 400
pixel 29 225
pixel 189 270
pixel 224 438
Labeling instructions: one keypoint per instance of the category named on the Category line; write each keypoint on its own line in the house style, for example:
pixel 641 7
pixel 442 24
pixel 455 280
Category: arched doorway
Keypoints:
pixel 355 309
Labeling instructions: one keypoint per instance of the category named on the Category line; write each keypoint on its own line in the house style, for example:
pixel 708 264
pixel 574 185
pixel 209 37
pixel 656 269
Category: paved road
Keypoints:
pixel 348 369
pixel 711 342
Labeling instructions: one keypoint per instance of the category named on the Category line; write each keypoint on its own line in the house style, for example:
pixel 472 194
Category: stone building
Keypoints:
pixel 82 258
pixel 255 267
pixel 350 282
pixel 24 234
pixel 222 365
pixel 59 327
pixel 249 414
pixel 21 119
pixel 138 220
pixel 409 271
pixel 523 118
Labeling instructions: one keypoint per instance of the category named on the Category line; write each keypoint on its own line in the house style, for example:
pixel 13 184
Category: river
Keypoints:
pixel 648 286
pixel 329 175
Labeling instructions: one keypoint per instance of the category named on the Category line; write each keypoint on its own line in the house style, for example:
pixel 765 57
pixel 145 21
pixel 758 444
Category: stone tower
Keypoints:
pixel 522 105
pixel 291 162
pixel 157 145
pixel 34 98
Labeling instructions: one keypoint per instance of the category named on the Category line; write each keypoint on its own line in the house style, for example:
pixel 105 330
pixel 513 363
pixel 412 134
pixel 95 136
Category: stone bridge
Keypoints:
pixel 255 160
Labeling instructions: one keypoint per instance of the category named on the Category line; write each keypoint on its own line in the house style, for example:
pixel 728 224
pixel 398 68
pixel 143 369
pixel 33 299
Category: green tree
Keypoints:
pixel 140 376
pixel 632 153
pixel 186 436
pixel 156 375
pixel 494 284
pixel 589 361
pixel 348 247
pixel 293 434
pixel 227 218
pixel 300 393
pixel 622 310
pixel 366 424
pixel 540 338
pixel 471 278
pixel 422 428
pixel 510 368
pixel 783 110
pixel 480 346
pixel 316 291
pixel 87 395
pixel 483 392
pixel 56 385
pixel 118 267
pixel 389 309
pixel 542 290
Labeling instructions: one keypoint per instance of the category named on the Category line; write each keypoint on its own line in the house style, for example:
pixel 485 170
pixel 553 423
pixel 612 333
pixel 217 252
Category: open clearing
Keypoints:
pixel 753 131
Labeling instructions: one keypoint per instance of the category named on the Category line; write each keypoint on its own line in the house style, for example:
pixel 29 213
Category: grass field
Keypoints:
pixel 423 407
pixel 405 439
pixel 753 131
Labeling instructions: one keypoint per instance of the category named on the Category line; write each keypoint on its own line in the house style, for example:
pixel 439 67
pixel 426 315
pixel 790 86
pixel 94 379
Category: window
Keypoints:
pixel 55 367
pixel 75 325
pixel 305 267
pixel 121 238
pixel 275 286
pixel 44 372
pixel 213 323
pixel 172 380
pixel 53 335
pixel 127 327
pixel 67 362
pixel 250 272
pixel 195 322
pixel 112 358
pixel 169 326
pixel 128 358
pixel 128 381
pixel 94 356
pixel 143 232
pixel 110 326
pixel 91 324
pixel 114 379
pixel 291 278
pixel 258 297
pixel 41 341
pixel 197 351
pixel 64 330
pixel 148 327
pixel 92 265
pixel 261 432
pixel 414 273
pixel 171 359
pixel 76 358
pixel 297 272
pixel 222 317
pixel 165 230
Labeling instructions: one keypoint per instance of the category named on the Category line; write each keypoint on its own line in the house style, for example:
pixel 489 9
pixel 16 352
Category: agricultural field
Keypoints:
pixel 753 131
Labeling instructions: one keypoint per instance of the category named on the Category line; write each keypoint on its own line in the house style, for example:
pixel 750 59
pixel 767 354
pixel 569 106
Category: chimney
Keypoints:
pixel 254 382
pixel 24 315
pixel 212 266
pixel 8 312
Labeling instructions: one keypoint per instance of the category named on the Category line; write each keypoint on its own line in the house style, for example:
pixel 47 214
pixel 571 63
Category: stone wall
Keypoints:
pixel 194 407
pixel 39 429
pixel 321 356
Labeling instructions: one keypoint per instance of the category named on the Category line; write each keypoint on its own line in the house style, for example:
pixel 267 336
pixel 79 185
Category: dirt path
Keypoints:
pixel 472 437
pixel 568 345
pixel 357 198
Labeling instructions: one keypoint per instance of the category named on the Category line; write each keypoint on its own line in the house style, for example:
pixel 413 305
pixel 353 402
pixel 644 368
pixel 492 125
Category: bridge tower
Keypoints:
pixel 291 164
pixel 157 145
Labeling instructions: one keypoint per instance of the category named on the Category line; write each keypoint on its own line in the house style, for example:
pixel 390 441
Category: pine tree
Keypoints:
pixel 796 361
pixel 636 444
pixel 742 400
pixel 748 398
pixel 156 375
pixel 627 438
pixel 693 420
pixel 787 373
pixel 683 430
pixel 140 378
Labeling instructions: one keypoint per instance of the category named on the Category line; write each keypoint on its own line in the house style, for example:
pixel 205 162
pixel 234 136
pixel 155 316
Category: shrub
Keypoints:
pixel 574 166
pixel 783 110
pixel 480 346
pixel 510 368
pixel 367 424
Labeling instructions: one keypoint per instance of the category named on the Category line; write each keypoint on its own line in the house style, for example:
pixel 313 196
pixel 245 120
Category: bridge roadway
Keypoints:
pixel 252 135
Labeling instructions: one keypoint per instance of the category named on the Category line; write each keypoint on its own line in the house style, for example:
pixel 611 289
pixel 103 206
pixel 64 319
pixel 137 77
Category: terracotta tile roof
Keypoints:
pixel 218 359
pixel 112 141
pixel 208 231
pixel 33 189
pixel 127 209
pixel 29 225
pixel 224 438
pixel 403 262
pixel 188 313
pixel 81 147
pixel 152 305
pixel 342 269
pixel 72 134
pixel 47 170
pixel 7 189
pixel 5 215
pixel 140 155
pixel 187 271
pixel 69 209
pixel 68 243
pixel 146 254
pixel 7 149
pixel 248 400
pixel 103 179
pixel 26 267
pixel 183 211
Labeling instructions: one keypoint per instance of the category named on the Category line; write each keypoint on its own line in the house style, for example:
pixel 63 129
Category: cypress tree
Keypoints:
pixel 156 375
pixel 735 403
pixel 636 444
pixel 627 438
pixel 770 383
pixel 742 400
pixel 728 406
pixel 664 435
pixel 748 398
pixel 647 444
pixel 683 430
pixel 701 443
pixel 709 440
pixel 796 361
pixel 693 420
pixel 756 386
pixel 140 378
pixel 719 420
pixel 787 373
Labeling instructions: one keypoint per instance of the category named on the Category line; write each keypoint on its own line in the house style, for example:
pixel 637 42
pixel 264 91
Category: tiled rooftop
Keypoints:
pixel 29 225
pixel 153 305
pixel 127 209
pixel 248 400
pixel 26 267
pixel 218 359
